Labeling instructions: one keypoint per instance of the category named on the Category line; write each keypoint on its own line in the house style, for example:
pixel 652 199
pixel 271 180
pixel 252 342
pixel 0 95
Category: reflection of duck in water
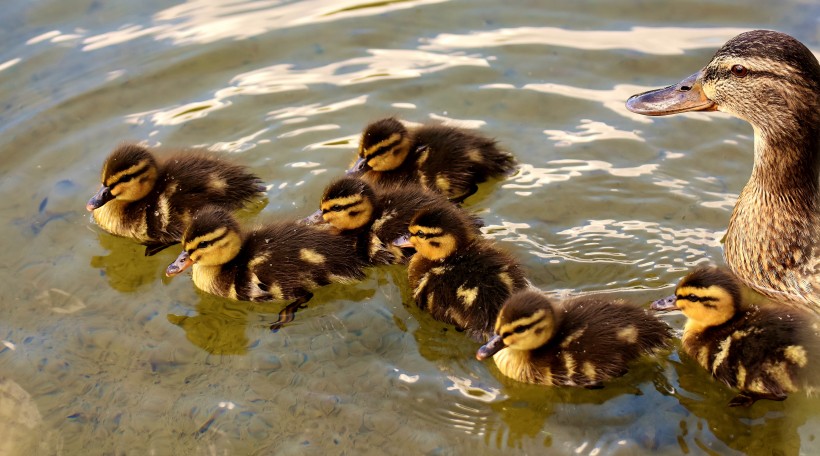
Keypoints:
pixel 151 201
pixel 581 342
pixel 772 81
pixel 219 328
pixel 280 261
pixel 764 352
pixel 448 160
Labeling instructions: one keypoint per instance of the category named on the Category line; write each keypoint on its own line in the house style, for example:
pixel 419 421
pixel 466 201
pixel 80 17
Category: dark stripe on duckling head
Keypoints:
pixel 205 243
pixel 124 157
pixel 522 306
pixel 207 221
pixel 710 276
pixel 346 187
pixel 128 175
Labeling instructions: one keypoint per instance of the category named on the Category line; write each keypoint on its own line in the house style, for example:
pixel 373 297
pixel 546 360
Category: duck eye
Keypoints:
pixel 204 244
pixel 336 208
pixel 520 329
pixel 420 235
pixel 692 298
pixel 740 71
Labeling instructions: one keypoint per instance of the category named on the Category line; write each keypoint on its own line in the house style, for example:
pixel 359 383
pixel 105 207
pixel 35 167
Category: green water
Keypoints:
pixel 101 354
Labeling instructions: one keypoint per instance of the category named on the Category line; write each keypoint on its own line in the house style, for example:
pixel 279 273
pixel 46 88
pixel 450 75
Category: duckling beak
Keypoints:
pixel 182 263
pixel 314 218
pixel 358 166
pixel 495 345
pixel 103 196
pixel 666 304
pixel 684 96
pixel 403 242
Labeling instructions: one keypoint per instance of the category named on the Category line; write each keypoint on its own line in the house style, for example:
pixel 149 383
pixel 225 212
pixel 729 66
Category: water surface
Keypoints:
pixel 101 354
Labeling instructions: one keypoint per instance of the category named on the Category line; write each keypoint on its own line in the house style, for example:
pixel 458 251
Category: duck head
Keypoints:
pixel 347 204
pixel 383 146
pixel 128 174
pixel 767 78
pixel 525 322
pixel 708 296
pixel 211 239
pixel 439 232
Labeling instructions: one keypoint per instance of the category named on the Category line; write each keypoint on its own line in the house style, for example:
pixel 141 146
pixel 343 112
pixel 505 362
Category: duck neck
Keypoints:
pixel 787 164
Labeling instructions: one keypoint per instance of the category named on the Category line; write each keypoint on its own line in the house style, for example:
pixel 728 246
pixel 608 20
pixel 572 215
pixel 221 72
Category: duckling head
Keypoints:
pixel 525 322
pixel 767 78
pixel 211 239
pixel 438 232
pixel 348 203
pixel 383 146
pixel 708 296
pixel 128 174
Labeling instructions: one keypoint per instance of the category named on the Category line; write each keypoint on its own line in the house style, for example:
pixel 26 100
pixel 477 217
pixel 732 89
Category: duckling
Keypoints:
pixel 772 81
pixel 583 341
pixel 284 260
pixel 765 352
pixel 151 201
pixel 376 219
pixel 448 160
pixel 457 275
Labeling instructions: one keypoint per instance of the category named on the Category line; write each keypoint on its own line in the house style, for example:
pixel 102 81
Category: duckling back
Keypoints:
pixel 468 288
pixel 287 260
pixel 764 352
pixel 590 340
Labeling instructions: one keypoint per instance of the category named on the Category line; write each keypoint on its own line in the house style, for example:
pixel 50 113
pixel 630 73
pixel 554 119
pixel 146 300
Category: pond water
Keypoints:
pixel 101 354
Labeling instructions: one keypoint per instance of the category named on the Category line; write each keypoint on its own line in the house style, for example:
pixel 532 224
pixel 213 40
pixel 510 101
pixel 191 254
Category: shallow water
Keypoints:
pixel 101 354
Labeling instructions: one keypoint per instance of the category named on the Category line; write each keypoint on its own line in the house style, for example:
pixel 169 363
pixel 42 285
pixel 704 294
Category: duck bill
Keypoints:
pixel 182 263
pixel 666 304
pixel 98 200
pixel 358 166
pixel 314 218
pixel 684 96
pixel 495 345
pixel 403 242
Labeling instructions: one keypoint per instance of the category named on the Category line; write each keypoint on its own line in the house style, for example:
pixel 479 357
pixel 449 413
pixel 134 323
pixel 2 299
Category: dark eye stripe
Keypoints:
pixel 339 207
pixel 203 244
pixel 518 330
pixel 383 149
pixel 127 177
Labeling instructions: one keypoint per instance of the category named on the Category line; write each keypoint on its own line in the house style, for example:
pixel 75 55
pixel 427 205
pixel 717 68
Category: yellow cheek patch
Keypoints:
pixel 311 256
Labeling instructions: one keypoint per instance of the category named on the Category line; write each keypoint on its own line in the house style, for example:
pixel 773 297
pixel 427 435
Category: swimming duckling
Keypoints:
pixel 772 81
pixel 151 201
pixel 457 275
pixel 448 160
pixel 581 342
pixel 284 260
pixel 376 219
pixel 765 352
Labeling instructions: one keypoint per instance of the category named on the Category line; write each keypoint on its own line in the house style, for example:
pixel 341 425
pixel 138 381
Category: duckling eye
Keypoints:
pixel 692 298
pixel 204 244
pixel 336 208
pixel 520 329
pixel 420 235
pixel 739 71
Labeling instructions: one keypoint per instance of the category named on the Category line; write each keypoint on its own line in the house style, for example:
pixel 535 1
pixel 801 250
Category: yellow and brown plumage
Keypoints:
pixel 151 200
pixel 284 260
pixel 376 217
pixel 456 275
pixel 772 81
pixel 765 352
pixel 583 341
pixel 448 160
